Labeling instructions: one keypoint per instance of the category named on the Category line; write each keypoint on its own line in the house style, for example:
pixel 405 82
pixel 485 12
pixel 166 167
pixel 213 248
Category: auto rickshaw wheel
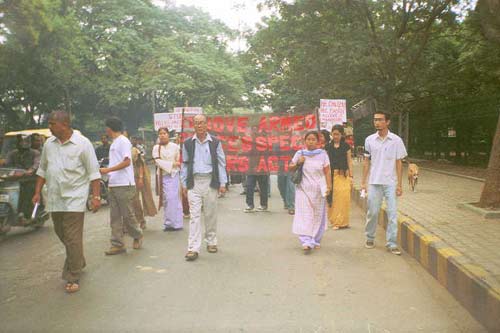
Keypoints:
pixel 38 224
pixel 4 225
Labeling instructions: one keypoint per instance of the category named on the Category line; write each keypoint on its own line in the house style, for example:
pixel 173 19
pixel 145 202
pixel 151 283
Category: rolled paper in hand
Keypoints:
pixel 33 215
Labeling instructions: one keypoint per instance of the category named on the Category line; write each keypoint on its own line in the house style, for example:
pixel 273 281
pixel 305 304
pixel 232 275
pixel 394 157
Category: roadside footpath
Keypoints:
pixel 459 248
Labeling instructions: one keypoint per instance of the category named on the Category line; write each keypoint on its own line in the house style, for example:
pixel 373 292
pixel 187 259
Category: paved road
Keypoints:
pixel 258 282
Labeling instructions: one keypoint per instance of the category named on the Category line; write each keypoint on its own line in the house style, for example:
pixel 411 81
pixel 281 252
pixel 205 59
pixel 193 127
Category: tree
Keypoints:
pixel 25 78
pixel 357 49
pixel 424 56
pixel 489 11
pixel 101 57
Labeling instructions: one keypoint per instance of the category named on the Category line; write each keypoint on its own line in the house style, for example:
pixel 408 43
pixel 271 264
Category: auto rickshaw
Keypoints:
pixel 11 182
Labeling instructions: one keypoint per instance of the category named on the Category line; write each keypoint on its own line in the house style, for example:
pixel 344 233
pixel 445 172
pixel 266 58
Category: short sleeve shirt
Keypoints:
pixel 68 168
pixel 120 149
pixel 383 154
pixel 338 156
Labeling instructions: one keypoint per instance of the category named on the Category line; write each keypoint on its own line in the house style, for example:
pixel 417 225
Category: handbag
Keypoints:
pixel 297 175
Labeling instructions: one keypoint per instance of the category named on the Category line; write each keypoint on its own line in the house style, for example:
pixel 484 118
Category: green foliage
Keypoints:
pixel 426 57
pixel 352 49
pixel 96 57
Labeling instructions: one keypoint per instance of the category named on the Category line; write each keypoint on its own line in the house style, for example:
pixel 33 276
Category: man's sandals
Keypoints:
pixel 72 287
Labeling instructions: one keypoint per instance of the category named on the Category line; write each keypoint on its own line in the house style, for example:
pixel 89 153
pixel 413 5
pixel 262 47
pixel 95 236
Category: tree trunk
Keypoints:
pixel 28 122
pixel 67 101
pixel 489 11
pixel 490 197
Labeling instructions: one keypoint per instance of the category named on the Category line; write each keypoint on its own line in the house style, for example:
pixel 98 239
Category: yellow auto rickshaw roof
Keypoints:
pixel 40 131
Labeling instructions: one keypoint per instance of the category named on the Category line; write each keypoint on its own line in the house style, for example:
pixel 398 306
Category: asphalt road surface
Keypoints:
pixel 260 281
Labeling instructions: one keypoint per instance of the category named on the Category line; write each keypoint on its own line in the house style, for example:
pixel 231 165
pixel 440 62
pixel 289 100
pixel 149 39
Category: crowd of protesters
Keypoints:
pixel 191 177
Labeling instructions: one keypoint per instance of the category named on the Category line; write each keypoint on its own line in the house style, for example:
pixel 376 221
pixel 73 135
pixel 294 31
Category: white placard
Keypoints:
pixel 331 112
pixel 170 120
pixel 189 109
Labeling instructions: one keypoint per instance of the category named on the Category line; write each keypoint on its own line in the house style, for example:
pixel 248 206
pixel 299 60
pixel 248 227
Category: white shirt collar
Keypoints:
pixel 208 138
pixel 389 136
pixel 74 138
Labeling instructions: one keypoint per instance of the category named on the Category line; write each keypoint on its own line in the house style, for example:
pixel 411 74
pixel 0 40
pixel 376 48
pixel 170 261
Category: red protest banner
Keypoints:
pixel 258 143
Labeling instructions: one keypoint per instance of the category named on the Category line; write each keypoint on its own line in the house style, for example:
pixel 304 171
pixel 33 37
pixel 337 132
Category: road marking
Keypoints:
pixel 10 299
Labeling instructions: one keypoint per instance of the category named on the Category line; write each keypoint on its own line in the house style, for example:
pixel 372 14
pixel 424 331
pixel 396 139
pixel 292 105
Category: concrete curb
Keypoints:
pixel 470 284
pixel 480 211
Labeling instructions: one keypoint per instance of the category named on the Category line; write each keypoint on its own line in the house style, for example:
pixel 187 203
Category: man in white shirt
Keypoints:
pixel 67 165
pixel 384 153
pixel 121 189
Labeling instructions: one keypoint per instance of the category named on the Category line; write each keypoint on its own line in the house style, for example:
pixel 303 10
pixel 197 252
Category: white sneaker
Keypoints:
pixel 394 250
pixel 249 210
pixel 261 209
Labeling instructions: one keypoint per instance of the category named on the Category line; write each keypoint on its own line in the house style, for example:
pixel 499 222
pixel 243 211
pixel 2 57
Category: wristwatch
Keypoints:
pixel 97 197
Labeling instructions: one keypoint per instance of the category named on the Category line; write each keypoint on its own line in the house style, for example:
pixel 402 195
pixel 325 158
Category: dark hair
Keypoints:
pixel 386 115
pixel 163 129
pixel 315 133
pixel 339 128
pixel 60 116
pixel 115 124
pixel 326 135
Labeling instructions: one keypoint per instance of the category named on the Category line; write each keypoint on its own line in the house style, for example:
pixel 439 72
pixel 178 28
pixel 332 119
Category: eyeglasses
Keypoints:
pixel 198 123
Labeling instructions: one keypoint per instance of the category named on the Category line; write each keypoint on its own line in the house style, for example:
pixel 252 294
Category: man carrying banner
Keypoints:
pixel 203 175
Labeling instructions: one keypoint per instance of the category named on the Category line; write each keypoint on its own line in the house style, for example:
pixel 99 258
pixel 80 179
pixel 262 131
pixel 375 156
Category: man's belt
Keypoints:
pixel 209 174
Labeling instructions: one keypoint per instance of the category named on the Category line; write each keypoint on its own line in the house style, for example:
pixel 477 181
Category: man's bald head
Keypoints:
pixel 200 125
pixel 200 118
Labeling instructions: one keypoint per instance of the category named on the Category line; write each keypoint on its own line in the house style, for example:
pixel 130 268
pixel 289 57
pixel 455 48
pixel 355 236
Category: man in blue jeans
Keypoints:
pixel 384 153
pixel 263 181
